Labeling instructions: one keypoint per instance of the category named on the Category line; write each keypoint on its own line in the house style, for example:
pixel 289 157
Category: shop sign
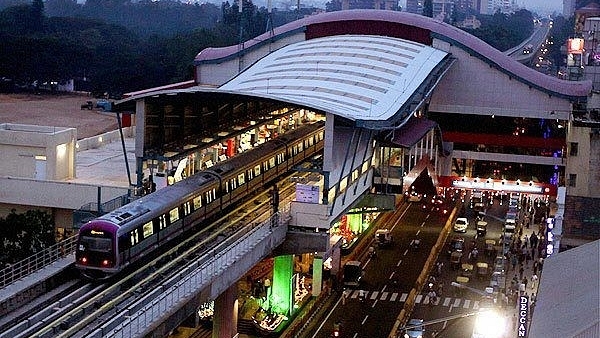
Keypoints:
pixel 523 314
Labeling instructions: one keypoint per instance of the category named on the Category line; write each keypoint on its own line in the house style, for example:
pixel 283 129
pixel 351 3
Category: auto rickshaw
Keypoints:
pixel 490 247
pixel 482 270
pixel 481 228
pixel 455 258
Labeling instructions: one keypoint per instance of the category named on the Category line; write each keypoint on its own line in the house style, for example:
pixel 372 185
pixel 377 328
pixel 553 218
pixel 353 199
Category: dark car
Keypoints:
pixel 456 244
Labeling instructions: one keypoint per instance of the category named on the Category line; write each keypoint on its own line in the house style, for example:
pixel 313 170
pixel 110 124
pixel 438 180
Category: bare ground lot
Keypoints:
pixel 55 111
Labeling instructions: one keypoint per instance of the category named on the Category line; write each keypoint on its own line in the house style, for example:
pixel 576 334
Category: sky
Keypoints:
pixel 548 5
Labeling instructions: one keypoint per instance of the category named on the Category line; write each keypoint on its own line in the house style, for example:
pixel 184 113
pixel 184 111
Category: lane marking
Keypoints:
pixel 418 232
pixel 399 262
pixel 405 252
pixel 375 302
pixel 374 294
pixel 364 320
pixel 467 303
pixel 456 302
pixel 403 297
pixel 392 275
pixel 446 301
pixel 418 299
pixel 393 297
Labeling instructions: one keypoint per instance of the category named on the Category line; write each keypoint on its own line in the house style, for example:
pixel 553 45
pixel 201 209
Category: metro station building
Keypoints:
pixel 404 97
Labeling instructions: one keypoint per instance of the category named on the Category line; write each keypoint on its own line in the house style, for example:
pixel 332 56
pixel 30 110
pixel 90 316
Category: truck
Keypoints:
pixel 353 273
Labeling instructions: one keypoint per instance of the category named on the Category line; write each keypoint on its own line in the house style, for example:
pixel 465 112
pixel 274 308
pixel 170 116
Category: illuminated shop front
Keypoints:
pixel 351 226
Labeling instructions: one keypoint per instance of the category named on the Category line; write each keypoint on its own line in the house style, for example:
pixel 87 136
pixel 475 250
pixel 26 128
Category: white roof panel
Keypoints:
pixel 360 77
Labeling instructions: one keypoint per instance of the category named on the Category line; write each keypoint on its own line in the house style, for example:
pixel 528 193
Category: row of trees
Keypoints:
pixel 122 46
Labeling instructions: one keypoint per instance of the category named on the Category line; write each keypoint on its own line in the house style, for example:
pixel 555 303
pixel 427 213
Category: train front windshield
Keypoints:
pixel 96 244
pixel 95 249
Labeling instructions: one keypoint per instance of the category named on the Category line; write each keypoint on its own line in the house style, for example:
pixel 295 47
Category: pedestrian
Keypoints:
pixel 513 261
pixel 344 296
pixel 525 241
pixel 527 257
pixel 534 280
pixel 521 270
pixel 533 250
pixel 536 264
pixel 525 281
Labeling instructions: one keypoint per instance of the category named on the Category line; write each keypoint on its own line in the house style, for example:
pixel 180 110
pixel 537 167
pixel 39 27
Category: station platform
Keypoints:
pixel 20 286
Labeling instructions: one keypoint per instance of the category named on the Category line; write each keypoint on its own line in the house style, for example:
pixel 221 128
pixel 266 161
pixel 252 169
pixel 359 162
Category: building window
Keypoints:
pixel 574 148
pixel 572 180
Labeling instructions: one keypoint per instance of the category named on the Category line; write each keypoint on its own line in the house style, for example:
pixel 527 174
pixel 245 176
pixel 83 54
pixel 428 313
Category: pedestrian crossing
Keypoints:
pixel 419 299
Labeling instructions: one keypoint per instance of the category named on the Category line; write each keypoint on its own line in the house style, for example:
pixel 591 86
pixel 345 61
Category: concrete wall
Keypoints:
pixel 471 86
pixel 54 147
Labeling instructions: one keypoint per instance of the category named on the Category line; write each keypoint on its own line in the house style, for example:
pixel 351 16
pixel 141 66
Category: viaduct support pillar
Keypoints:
pixel 226 314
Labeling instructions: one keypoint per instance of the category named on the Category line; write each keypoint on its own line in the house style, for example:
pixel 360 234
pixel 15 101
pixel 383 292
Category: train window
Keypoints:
pixel 265 166
pixel 162 222
pixel 354 175
pixel 173 215
pixel 211 195
pixel 272 162
pixel 280 158
pixel 300 147
pixel 365 167
pixel 187 208
pixel 233 183
pixel 321 133
pixel 148 229
pixel 226 185
pixel 343 183
pixel 134 237
pixel 241 179
pixel 250 174
pixel 197 202
pixel 311 141
pixel 257 170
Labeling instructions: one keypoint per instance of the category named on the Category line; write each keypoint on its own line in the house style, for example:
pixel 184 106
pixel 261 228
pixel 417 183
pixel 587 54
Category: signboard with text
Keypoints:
pixel 523 316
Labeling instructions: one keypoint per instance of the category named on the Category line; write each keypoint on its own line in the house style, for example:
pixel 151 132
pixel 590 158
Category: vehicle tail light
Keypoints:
pixel 84 260
pixel 105 262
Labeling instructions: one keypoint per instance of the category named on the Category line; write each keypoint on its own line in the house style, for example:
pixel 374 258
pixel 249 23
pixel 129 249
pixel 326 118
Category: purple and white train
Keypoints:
pixel 113 241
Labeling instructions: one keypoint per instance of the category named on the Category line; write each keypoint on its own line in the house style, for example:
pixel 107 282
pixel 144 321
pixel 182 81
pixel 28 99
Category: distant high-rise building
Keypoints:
pixel 414 6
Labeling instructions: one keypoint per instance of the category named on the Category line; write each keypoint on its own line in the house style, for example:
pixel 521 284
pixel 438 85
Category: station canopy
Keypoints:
pixel 376 81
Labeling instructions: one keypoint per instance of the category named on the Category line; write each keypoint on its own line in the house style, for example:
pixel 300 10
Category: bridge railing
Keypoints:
pixel 19 270
pixel 211 266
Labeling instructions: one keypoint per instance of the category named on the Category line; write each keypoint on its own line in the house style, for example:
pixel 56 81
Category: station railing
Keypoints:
pixel 19 270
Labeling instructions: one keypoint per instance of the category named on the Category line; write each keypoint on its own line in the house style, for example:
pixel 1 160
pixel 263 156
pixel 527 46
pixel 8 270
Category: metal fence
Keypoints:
pixel 38 261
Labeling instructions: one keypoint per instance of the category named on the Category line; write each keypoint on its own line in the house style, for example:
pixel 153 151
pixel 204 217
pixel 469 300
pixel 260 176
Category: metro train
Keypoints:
pixel 113 241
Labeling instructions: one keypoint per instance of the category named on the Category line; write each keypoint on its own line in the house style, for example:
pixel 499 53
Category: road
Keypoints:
pixel 389 276
pixel 454 302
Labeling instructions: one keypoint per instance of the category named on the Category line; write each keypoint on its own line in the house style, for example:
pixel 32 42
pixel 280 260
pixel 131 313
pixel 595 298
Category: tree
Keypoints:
pixel 25 234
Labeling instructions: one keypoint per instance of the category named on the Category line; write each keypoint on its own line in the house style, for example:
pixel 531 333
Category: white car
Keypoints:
pixel 461 224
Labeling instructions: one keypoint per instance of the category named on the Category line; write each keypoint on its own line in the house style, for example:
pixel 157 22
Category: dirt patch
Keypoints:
pixel 56 111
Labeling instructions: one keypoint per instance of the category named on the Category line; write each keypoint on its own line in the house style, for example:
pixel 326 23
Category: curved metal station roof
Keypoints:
pixel 359 77
pixel 437 29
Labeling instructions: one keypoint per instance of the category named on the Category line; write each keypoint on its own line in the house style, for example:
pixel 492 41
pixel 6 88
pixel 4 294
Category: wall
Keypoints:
pixel 20 144
pixel 471 86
